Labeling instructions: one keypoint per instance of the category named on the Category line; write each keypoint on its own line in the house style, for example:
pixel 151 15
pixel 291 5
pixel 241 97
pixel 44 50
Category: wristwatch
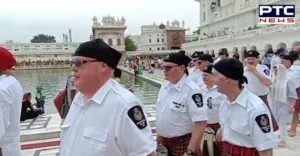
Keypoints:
pixel 190 152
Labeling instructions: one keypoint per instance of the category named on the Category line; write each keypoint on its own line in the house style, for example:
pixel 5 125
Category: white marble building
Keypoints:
pixel 111 30
pixel 41 51
pixel 40 48
pixel 233 24
pixel 154 37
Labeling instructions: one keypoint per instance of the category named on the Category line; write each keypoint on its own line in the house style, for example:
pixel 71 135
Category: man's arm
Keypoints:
pixel 268 152
pixel 262 78
pixel 5 107
pixel 197 133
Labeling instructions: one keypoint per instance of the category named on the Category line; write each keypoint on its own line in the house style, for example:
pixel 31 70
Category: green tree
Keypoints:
pixel 129 44
pixel 42 38
pixel 197 31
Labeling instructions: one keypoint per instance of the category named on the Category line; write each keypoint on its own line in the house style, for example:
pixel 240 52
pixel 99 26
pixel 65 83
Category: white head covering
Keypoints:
pixel 279 87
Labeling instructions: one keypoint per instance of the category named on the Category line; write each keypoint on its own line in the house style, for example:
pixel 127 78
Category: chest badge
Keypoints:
pixel 136 114
pixel 198 99
pixel 267 72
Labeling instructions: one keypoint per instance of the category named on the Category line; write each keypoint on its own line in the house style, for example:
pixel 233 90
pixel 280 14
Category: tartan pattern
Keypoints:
pixel 274 122
pixel 177 146
pixel 297 105
pixel 216 145
pixel 215 126
pixel 233 150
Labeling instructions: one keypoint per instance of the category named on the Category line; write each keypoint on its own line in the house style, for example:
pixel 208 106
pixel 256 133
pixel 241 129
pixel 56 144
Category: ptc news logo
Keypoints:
pixel 276 14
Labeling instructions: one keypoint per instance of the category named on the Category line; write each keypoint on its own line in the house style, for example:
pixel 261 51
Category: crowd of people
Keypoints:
pixel 42 62
pixel 206 106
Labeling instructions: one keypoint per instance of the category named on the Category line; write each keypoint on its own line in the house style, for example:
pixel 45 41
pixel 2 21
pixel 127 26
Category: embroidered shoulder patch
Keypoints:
pixel 263 123
pixel 136 114
pixel 209 102
pixel 198 99
pixel 267 72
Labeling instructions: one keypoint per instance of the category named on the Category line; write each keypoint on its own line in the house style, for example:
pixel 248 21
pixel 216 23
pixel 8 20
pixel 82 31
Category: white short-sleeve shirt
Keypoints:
pixel 10 111
pixel 213 100
pixel 197 77
pixel 178 107
pixel 112 123
pixel 254 85
pixel 247 122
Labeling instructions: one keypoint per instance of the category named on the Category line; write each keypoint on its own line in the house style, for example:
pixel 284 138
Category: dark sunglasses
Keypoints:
pixel 199 62
pixel 79 63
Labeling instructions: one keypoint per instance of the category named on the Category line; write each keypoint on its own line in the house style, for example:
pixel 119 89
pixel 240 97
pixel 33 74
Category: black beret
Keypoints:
pixel 288 57
pixel 294 55
pixel 231 68
pixel 99 50
pixel 208 69
pixel 206 57
pixel 196 54
pixel 252 53
pixel 223 51
pixel 178 58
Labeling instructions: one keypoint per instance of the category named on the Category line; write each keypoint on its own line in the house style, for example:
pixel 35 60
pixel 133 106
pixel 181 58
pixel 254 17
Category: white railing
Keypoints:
pixel 245 34
pixel 134 53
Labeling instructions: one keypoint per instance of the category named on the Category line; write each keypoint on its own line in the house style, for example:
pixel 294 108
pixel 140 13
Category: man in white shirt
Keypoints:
pixel 105 119
pixel 194 58
pixel 213 99
pixel 201 63
pixel 223 54
pixel 259 79
pixel 10 106
pixel 293 72
pixel 245 120
pixel 181 115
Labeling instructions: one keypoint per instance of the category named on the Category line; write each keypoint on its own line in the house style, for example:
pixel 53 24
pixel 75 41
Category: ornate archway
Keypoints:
pixel 268 47
pixel 295 43
pixel 242 53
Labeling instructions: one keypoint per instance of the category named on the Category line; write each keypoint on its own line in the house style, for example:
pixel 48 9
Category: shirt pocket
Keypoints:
pixel 95 139
pixel 240 127
pixel 178 112
pixel 65 127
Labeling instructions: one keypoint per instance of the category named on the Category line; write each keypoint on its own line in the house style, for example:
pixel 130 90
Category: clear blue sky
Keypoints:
pixel 21 20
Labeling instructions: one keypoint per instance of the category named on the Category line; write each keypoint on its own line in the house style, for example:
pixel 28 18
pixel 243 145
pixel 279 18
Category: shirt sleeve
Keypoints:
pixel 196 106
pixel 5 107
pixel 135 133
pixel 262 135
pixel 291 89
pixel 265 71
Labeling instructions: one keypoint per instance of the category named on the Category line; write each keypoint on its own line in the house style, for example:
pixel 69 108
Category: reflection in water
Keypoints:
pixel 54 80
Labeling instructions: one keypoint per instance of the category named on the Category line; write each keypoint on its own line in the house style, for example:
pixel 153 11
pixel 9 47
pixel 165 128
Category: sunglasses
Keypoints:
pixel 79 63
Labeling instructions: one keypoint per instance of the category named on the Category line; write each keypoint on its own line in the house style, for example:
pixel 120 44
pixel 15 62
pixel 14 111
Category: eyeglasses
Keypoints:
pixel 198 62
pixel 167 68
pixel 79 63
